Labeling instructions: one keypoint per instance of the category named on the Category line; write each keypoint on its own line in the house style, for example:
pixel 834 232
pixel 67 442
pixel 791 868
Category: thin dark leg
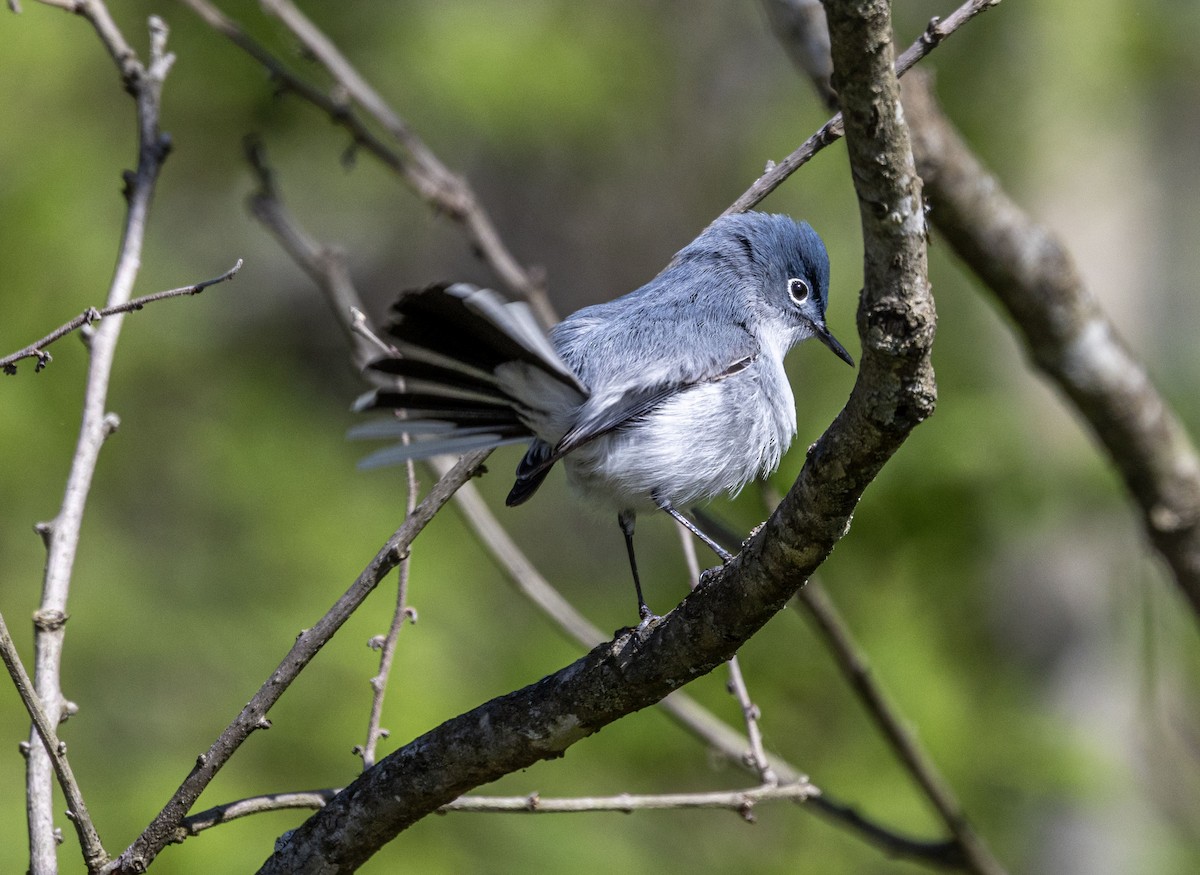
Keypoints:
pixel 692 527
pixel 625 520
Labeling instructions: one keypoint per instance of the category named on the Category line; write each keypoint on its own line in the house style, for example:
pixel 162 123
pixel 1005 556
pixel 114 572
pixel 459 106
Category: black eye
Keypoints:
pixel 798 290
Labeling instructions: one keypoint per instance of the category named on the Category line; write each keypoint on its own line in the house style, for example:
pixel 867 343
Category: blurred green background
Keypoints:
pixel 995 573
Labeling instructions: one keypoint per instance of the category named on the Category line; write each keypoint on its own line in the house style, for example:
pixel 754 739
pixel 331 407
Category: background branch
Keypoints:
pixel 415 163
pixel 1068 337
pixel 429 177
pixel 972 853
pixel 325 265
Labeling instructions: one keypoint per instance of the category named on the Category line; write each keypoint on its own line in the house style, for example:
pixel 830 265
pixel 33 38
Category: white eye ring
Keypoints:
pixel 798 290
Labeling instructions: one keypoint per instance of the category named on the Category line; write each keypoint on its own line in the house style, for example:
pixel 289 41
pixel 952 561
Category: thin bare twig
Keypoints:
pixel 194 824
pixel 387 643
pixel 937 31
pixel 403 613
pixel 91 315
pixel 93 851
pixel 935 853
pixel 325 265
pixel 359 325
pixel 145 83
pixel 756 756
pixel 740 801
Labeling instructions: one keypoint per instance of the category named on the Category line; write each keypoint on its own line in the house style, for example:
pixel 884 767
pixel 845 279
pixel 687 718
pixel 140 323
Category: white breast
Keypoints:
pixel 713 438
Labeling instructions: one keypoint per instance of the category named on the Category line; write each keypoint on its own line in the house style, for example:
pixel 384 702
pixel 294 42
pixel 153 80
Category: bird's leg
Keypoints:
pixel 625 520
pixel 693 528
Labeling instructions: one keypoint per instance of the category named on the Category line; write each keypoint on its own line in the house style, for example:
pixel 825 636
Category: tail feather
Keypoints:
pixel 419 406
pixel 477 370
pixel 431 396
pixel 475 327
pixel 454 444
pixel 413 368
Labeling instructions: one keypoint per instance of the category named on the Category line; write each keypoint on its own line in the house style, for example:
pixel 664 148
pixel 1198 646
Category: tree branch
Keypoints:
pixel 1067 336
pixel 94 854
pixel 387 644
pixel 741 801
pixel 325 265
pixel 62 534
pixel 195 824
pixel 92 315
pixel 755 755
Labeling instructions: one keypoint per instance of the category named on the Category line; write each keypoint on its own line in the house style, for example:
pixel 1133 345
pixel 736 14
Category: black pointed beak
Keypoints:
pixel 830 341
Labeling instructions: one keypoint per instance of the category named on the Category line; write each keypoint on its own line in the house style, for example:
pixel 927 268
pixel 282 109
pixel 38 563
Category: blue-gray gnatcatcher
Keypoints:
pixel 666 396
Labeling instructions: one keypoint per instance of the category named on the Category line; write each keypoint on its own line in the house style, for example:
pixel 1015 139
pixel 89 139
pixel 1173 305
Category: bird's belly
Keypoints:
pixel 714 438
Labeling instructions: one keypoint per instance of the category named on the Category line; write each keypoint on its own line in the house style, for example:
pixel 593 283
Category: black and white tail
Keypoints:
pixel 477 370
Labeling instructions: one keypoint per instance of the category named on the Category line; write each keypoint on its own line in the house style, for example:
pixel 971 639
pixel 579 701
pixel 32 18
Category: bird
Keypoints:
pixel 659 399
